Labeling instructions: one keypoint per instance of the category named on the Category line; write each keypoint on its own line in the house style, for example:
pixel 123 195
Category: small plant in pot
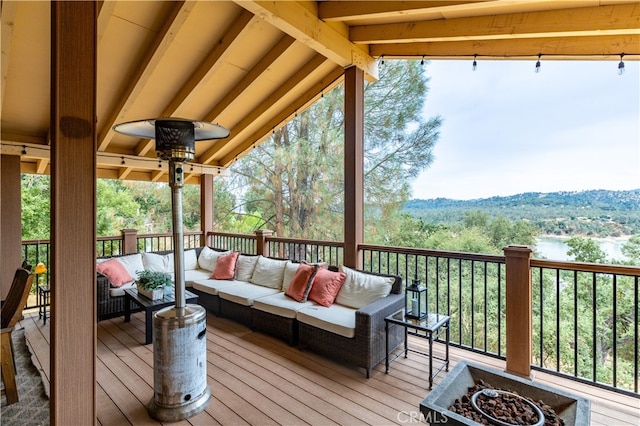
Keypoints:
pixel 151 284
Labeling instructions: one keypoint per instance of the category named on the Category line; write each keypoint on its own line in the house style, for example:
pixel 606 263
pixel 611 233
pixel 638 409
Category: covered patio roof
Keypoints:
pixel 251 65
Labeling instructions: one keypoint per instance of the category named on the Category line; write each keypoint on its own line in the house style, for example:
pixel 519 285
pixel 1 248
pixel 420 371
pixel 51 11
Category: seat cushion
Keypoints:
pixel 119 291
pixel 245 293
pixel 192 275
pixel 211 286
pixel 280 304
pixel 336 319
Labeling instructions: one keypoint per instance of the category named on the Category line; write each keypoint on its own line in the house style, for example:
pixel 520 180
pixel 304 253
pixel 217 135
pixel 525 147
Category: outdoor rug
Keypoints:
pixel 33 406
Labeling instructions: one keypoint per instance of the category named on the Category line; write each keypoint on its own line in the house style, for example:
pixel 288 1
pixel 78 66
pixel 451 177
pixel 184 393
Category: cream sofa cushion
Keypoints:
pixel 156 262
pixel 132 263
pixel 360 289
pixel 280 304
pixel 336 319
pixel 245 266
pixel 244 293
pixel 268 272
pixel 211 286
pixel 208 258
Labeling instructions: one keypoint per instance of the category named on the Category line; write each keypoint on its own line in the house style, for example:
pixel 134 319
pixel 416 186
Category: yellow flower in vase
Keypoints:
pixel 40 269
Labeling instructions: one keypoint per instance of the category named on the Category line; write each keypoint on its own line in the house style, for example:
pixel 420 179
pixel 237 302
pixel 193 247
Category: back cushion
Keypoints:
pixel 132 263
pixel 360 289
pixel 269 272
pixel 245 266
pixel 289 271
pixel 226 267
pixel 190 261
pixel 208 258
pixel 156 262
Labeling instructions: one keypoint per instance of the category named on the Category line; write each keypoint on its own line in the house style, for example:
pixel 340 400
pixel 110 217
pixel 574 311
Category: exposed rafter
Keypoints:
pixel 350 10
pixel 299 22
pixel 161 43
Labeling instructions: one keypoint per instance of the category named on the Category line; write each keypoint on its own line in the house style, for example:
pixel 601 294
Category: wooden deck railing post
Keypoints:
pixel 518 310
pixel 129 241
pixel 262 246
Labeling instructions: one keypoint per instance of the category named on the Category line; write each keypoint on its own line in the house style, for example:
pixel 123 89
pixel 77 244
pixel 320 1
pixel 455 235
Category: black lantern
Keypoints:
pixel 416 296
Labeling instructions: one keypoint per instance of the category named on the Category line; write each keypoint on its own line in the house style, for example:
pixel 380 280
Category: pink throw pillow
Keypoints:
pixel 326 286
pixel 301 282
pixel 114 270
pixel 226 267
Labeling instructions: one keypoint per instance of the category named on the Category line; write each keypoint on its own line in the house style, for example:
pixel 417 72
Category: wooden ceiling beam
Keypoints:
pixel 207 67
pixel 156 175
pixel 154 53
pixel 328 82
pixel 123 172
pixel 354 10
pixel 299 22
pixel 8 9
pixel 41 165
pixel 602 20
pixel 279 93
pixel 583 48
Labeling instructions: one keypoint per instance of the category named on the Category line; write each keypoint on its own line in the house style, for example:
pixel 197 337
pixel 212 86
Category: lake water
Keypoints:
pixel 555 248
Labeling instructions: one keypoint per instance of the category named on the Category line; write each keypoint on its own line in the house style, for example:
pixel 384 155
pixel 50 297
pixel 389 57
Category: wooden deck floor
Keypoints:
pixel 256 379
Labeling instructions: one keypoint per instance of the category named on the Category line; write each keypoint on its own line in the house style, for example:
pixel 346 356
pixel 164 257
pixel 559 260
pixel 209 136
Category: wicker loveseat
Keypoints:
pixel 351 335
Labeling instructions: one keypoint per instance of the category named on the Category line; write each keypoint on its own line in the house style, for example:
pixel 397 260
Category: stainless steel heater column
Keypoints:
pixel 179 332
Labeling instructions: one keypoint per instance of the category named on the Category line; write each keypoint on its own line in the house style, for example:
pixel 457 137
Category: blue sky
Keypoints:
pixel 573 126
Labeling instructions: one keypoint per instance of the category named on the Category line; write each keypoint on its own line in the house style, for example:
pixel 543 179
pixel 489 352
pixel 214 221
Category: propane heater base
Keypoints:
pixel 172 414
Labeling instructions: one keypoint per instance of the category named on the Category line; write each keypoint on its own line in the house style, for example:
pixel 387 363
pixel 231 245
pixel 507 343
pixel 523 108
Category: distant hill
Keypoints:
pixel 593 212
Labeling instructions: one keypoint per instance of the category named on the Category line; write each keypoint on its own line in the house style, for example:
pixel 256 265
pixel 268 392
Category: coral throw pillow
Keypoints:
pixel 114 270
pixel 326 286
pixel 301 282
pixel 226 267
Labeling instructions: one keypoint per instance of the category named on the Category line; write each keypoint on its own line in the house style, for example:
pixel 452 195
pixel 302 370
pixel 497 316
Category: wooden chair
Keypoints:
pixel 11 313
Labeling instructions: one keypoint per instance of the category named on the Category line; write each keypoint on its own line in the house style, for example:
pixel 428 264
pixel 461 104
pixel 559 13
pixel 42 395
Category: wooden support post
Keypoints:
pixel 73 212
pixel 262 245
pixel 129 241
pixel 519 310
pixel 353 165
pixel 206 208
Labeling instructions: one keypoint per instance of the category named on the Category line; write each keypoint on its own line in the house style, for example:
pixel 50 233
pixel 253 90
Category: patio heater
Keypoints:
pixel 179 332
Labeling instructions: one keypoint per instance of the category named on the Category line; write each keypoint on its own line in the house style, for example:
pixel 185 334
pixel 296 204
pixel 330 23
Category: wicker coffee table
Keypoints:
pixel 150 306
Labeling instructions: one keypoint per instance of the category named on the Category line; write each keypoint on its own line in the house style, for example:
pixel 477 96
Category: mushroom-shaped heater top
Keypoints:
pixel 174 137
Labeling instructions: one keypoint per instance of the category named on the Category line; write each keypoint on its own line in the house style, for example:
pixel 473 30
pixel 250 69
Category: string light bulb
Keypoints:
pixel 422 61
pixel 538 63
pixel 159 164
pixel 122 162
pixel 621 65
pixel 24 150
pixel 382 60
pixel 475 63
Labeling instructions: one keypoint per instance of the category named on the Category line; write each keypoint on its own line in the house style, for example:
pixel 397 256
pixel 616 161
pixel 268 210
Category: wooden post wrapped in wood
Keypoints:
pixel 519 310
pixel 262 246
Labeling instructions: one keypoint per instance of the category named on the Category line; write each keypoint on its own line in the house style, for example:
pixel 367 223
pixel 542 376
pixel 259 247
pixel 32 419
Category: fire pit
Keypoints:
pixel 573 410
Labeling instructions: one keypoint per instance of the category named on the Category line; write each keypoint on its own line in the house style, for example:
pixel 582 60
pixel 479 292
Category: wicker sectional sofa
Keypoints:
pixel 350 330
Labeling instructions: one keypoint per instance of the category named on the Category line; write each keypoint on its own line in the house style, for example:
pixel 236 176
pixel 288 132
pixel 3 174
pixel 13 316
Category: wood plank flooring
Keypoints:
pixel 257 379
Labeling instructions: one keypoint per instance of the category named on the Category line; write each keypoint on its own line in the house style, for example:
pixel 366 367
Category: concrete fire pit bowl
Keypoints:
pixel 574 410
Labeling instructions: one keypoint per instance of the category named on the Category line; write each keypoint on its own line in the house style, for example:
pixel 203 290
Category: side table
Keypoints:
pixel 44 293
pixel 431 327
pixel 150 306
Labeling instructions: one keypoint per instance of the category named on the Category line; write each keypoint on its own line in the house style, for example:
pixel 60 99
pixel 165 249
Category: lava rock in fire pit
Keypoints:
pixel 505 407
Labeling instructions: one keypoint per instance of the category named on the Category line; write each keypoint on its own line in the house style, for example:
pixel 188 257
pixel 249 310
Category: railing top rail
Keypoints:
pixel 586 267
pixel 303 241
pixel 436 253
pixel 166 234
pixel 40 241
pixel 229 234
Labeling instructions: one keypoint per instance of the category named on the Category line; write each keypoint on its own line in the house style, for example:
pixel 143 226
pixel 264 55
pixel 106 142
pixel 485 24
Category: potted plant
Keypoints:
pixel 151 284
